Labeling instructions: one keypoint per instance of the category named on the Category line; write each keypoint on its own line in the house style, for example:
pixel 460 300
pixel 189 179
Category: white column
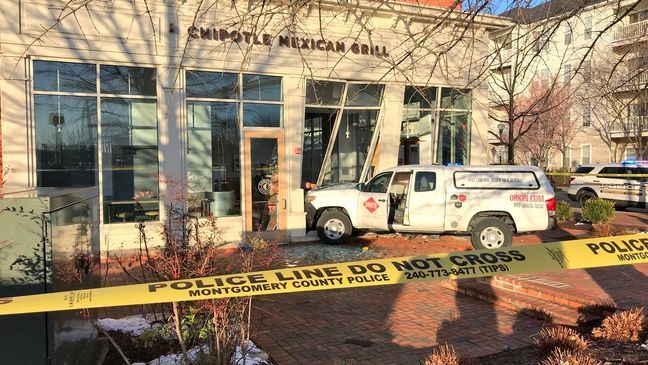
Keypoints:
pixel 390 132
pixel 18 150
pixel 294 101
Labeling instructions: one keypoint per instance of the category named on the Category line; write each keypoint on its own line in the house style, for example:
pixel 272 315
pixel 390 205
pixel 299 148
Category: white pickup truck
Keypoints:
pixel 489 202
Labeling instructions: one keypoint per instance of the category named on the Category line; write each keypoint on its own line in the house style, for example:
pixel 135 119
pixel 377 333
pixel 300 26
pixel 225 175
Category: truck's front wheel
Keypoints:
pixel 491 233
pixel 334 227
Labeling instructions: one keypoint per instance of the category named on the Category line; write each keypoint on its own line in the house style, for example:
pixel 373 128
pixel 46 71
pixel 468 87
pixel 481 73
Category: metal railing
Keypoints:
pixel 632 31
pixel 633 125
pixel 638 82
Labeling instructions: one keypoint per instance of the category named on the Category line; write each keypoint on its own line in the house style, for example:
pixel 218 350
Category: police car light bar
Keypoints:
pixel 635 162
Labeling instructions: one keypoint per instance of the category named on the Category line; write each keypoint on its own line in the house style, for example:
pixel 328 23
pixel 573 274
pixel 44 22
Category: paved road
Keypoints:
pixel 631 217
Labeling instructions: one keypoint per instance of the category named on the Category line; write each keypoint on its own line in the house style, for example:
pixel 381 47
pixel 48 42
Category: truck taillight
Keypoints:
pixel 551 207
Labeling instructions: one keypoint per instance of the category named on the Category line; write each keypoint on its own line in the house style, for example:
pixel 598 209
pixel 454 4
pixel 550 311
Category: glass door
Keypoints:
pixel 265 187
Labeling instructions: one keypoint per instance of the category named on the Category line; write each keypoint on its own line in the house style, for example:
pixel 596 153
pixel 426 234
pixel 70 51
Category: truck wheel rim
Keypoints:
pixel 334 229
pixel 492 237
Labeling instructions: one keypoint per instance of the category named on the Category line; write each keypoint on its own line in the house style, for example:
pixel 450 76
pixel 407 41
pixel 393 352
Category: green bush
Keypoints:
pixel 597 211
pixel 564 211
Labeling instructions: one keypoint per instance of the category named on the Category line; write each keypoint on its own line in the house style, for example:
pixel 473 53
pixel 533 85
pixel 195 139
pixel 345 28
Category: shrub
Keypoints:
pixel 192 249
pixel 442 355
pixel 597 211
pixel 564 211
pixel 551 338
pixel 623 326
pixel 566 357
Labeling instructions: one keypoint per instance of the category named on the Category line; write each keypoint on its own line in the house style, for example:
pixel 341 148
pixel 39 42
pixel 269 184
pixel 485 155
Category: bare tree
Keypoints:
pixel 549 127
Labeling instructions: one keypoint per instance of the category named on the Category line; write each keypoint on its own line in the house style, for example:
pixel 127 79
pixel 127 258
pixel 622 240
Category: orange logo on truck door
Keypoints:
pixel 371 205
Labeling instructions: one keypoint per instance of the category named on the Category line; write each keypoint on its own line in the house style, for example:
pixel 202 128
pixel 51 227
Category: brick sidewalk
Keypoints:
pixel 396 324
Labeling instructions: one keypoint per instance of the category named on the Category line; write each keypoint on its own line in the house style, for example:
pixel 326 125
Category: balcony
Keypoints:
pixel 634 127
pixel 635 32
pixel 637 82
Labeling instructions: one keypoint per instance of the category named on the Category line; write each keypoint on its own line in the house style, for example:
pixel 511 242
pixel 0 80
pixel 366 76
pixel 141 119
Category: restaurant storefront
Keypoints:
pixel 229 122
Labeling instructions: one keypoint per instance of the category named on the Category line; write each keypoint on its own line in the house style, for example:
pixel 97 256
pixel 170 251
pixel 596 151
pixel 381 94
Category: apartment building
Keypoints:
pixel 595 51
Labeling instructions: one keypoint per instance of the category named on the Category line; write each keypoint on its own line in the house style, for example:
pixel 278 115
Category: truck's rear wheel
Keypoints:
pixel 491 233
pixel 334 227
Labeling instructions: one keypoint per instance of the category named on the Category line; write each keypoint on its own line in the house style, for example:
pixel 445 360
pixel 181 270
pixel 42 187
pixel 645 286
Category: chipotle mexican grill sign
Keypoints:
pixel 307 43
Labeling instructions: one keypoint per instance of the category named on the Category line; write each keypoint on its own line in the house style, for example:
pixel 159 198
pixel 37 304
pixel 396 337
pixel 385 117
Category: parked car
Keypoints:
pixel 630 191
pixel 490 203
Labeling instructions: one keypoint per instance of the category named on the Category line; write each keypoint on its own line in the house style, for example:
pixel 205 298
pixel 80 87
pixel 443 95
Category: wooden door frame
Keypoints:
pixel 281 158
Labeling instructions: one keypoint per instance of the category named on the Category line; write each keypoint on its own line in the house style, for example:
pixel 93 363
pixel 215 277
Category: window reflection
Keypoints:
pixel 215 85
pixel 418 126
pixel 454 138
pixel 130 163
pixel 456 99
pixel 125 80
pixel 66 140
pixel 317 133
pixel 364 94
pixel 259 87
pixel 324 92
pixel 213 158
pixel 65 77
pixel 261 115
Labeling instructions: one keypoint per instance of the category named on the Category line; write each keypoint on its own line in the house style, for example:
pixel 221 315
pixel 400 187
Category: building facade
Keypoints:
pixel 232 109
pixel 594 50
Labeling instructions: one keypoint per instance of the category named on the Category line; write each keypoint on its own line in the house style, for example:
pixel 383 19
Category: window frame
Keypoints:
pixel 568 32
pixel 98 110
pixel 587 25
pixel 341 108
pixel 389 181
pixel 416 186
pixel 589 157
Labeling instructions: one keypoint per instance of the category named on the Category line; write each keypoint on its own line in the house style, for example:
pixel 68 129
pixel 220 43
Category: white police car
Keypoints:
pixel 622 188
pixel 489 202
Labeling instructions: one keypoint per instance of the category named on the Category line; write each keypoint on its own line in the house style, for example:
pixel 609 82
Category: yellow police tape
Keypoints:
pixel 596 175
pixel 577 254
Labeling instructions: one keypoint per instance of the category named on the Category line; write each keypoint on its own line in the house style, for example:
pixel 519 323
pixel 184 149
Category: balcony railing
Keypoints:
pixel 638 82
pixel 632 32
pixel 632 127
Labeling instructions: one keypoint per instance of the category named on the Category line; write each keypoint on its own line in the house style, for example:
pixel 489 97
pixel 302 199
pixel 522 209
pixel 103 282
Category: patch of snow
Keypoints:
pixel 253 356
pixel 75 333
pixel 133 325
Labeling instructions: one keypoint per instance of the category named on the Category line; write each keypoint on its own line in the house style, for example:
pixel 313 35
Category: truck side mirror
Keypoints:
pixel 360 186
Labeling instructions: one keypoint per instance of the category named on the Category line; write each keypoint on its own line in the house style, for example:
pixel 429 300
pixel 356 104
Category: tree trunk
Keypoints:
pixel 511 145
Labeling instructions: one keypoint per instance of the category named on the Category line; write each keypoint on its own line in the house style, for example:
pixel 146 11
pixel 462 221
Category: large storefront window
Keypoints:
pixel 418 126
pixel 66 140
pixel 129 141
pixel 422 108
pixel 218 105
pixel 66 132
pixel 337 137
pixel 130 159
pixel 454 127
